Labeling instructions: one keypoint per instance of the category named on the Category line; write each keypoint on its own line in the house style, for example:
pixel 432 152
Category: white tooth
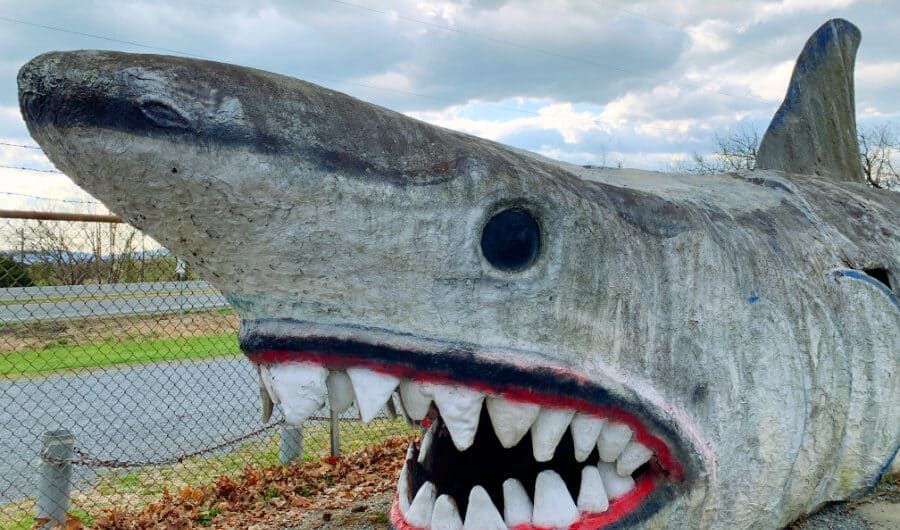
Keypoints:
pixel 421 508
pixel 481 513
pixel 301 389
pixel 446 514
pixel 265 375
pixel 585 429
pixel 511 419
pixel 340 391
pixel 415 399
pixel 548 430
pixel 460 409
pixel 403 489
pixel 613 438
pixel 592 495
pixel 265 399
pixel 633 456
pixel 614 484
pixel 517 507
pixel 427 440
pixel 372 390
pixel 553 506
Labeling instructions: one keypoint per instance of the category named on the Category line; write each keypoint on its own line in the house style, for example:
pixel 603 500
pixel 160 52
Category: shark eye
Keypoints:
pixel 164 114
pixel 511 240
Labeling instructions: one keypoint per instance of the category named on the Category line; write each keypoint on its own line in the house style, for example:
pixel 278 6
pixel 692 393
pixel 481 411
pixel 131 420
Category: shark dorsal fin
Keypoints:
pixel 814 130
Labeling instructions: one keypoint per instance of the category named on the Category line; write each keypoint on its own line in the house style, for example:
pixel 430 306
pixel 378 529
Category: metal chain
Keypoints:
pixel 84 459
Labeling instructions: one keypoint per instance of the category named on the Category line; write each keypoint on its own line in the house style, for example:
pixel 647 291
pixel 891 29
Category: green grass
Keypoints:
pixel 58 357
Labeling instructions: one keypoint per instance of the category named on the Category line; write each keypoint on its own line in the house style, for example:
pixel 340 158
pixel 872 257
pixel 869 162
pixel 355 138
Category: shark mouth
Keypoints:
pixel 504 446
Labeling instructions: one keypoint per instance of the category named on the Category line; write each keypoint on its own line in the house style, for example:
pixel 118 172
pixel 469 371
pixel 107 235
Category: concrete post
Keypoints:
pixel 55 478
pixel 291 444
pixel 335 434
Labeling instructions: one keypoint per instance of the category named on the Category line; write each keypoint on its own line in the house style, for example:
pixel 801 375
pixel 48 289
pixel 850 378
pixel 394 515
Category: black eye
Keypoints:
pixel 511 240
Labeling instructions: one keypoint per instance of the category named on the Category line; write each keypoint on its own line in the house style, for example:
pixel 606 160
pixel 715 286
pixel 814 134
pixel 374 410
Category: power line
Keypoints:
pixel 101 37
pixel 73 201
pixel 22 146
pixel 365 85
pixel 32 169
pixel 188 54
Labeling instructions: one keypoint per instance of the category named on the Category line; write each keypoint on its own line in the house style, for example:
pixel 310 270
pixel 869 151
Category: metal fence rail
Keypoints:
pixel 102 341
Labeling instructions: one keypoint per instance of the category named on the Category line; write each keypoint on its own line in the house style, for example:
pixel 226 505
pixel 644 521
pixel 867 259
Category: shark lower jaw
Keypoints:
pixel 509 446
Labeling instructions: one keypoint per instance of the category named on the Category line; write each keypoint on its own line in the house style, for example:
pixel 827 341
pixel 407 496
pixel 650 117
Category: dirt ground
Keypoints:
pixel 34 336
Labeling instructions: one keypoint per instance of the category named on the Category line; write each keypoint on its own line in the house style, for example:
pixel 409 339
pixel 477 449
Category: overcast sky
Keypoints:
pixel 641 83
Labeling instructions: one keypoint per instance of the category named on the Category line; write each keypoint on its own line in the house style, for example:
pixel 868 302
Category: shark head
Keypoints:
pixel 586 347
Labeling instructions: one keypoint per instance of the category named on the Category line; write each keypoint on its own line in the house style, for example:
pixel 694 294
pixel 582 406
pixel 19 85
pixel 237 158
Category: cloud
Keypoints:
pixel 643 81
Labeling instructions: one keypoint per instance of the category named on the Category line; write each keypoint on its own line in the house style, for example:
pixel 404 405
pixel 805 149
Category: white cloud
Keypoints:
pixel 768 10
pixel 644 82
pixel 561 117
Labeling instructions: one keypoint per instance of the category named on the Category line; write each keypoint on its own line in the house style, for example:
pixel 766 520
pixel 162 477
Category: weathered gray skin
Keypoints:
pixel 716 303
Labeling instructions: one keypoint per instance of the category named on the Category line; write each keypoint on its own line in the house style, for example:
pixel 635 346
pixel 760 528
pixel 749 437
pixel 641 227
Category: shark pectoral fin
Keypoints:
pixel 814 130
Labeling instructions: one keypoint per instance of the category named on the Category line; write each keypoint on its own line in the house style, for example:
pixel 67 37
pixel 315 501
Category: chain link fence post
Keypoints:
pixel 291 447
pixel 335 434
pixel 54 477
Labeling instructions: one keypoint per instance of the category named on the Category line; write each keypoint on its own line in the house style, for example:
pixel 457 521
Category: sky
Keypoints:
pixel 642 84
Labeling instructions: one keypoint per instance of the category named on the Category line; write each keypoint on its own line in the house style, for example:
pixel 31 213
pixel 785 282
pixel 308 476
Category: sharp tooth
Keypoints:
pixel 421 508
pixel 416 399
pixel 614 484
pixel 403 488
pixel 517 507
pixel 265 399
pixel 553 506
pixel 301 388
pixel 340 391
pixel 548 430
pixel 446 514
pixel 267 404
pixel 372 391
pixel 425 446
pixel 633 456
pixel 266 377
pixel 613 438
pixel 511 420
pixel 481 513
pixel 390 408
pixel 592 495
pixel 401 410
pixel 585 430
pixel 460 409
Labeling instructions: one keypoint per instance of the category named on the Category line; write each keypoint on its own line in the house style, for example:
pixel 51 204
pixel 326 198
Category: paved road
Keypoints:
pixel 107 289
pixel 159 297
pixel 140 412
pixel 135 412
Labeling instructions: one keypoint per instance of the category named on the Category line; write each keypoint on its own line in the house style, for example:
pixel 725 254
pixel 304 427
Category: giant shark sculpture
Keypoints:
pixel 592 347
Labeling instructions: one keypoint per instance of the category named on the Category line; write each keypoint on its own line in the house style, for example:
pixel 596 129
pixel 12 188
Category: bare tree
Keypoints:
pixel 735 150
pixel 879 151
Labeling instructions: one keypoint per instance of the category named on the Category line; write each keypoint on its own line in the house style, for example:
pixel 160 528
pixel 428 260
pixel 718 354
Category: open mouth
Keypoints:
pixel 503 446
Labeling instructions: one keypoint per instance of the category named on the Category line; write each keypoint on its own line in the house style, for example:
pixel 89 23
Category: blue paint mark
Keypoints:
pixel 884 469
pixel 822 43
pixel 854 274
pixel 753 299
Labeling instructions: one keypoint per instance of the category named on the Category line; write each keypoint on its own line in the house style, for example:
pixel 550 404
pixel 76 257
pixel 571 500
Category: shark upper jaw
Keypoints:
pixel 525 445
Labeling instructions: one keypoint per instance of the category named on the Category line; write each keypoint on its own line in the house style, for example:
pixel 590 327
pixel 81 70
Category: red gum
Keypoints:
pixel 660 449
pixel 618 508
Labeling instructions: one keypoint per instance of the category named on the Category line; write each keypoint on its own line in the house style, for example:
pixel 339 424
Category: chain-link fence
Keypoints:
pixel 105 335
